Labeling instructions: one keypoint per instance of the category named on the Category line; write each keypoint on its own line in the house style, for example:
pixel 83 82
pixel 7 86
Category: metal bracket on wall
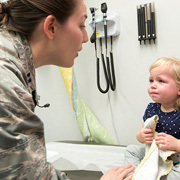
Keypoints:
pixel 146 22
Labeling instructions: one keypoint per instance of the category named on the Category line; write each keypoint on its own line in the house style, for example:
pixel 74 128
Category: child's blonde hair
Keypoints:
pixel 173 65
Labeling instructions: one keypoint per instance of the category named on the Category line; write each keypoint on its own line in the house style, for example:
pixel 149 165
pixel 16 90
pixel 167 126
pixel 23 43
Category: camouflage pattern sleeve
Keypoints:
pixel 22 145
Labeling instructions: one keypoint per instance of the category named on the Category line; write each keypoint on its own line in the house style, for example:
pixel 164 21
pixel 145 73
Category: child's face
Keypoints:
pixel 163 87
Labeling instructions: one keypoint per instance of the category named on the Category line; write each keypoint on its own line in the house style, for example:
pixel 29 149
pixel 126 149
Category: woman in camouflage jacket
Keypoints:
pixel 30 31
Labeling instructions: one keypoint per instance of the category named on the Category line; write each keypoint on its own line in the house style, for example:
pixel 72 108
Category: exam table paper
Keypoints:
pixel 68 156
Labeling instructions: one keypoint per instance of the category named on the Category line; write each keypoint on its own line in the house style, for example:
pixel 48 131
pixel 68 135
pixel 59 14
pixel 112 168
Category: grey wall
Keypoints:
pixel 120 111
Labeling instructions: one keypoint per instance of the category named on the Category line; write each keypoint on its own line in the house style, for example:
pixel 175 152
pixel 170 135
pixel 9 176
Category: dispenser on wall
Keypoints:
pixel 113 25
pixel 146 22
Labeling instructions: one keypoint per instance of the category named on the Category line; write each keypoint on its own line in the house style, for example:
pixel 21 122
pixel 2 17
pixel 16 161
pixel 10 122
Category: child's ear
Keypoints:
pixel 179 91
pixel 50 26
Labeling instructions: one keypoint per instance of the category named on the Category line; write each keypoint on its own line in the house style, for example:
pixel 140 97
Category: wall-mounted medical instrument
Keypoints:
pixel 93 40
pixel 104 26
pixel 146 22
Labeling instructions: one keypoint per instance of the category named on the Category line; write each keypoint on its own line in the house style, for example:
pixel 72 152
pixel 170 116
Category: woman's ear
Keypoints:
pixel 50 26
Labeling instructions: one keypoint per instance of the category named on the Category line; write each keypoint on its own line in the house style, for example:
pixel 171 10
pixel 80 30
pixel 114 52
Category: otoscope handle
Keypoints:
pixel 153 21
pixel 153 26
pixel 143 23
pixel 149 29
pixel 105 34
pixel 104 10
pixel 139 24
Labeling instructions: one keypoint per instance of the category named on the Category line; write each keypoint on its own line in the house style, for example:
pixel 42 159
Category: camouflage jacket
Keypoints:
pixel 22 145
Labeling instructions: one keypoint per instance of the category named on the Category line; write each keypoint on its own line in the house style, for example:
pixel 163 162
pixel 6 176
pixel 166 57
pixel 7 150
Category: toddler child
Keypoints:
pixel 164 90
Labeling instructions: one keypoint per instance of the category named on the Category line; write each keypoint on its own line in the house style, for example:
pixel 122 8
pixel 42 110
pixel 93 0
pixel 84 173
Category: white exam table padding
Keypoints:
pixel 89 157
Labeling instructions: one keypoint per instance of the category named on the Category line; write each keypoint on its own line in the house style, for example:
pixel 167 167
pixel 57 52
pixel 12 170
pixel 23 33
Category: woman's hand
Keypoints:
pixel 119 173
pixel 167 142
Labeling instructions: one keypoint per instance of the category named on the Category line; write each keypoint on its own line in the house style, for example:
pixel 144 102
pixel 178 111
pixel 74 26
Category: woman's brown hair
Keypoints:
pixel 24 15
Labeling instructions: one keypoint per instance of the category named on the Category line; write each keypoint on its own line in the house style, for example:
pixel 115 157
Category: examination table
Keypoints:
pixel 82 160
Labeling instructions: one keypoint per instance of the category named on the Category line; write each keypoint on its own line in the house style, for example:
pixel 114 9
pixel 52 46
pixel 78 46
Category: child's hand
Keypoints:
pixel 145 136
pixel 167 142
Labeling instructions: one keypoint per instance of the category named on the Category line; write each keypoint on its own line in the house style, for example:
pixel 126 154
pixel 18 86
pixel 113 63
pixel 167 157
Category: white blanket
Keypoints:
pixel 155 163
